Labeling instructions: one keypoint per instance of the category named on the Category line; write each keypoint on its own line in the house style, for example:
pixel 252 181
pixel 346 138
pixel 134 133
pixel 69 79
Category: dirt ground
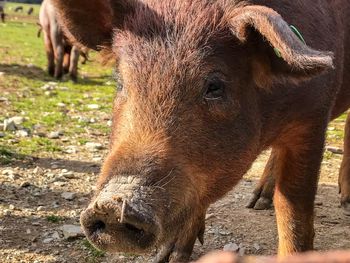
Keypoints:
pixel 33 211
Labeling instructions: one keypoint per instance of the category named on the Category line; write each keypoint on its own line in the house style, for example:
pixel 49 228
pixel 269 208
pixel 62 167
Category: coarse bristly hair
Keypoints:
pixel 178 26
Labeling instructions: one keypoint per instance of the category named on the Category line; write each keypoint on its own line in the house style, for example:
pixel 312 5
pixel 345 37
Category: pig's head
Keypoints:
pixel 187 120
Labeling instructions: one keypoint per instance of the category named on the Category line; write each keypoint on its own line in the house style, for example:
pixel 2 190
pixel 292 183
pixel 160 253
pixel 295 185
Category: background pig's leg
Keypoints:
pixel 262 195
pixel 344 174
pixel 73 69
pixel 297 163
pixel 57 41
pixel 66 59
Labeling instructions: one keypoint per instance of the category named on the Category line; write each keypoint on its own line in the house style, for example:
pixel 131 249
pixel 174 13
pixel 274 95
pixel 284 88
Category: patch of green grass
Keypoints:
pixel 54 218
pixel 29 145
pixel 23 62
pixel 82 141
pixel 94 252
pixel 10 8
pixel 327 155
pixel 6 156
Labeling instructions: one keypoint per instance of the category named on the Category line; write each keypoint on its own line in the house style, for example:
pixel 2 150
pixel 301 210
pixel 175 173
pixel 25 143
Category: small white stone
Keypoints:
pixel 71 231
pixel 49 86
pixel 9 125
pixel 54 135
pixel 55 235
pixel 39 208
pixel 232 247
pixel 93 146
pixel 22 133
pixel 61 105
pixel 47 240
pixel 82 119
pixel 70 149
pixel 68 196
pixel 18 120
pixel 93 106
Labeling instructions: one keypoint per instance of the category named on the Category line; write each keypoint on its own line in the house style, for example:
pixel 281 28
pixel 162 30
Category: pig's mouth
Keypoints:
pixel 107 234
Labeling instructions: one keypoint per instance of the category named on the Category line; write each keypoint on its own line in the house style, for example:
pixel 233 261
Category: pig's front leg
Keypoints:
pixel 298 160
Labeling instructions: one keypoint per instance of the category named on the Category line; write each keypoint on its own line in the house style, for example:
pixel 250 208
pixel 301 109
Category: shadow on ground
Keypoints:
pixel 12 159
pixel 30 71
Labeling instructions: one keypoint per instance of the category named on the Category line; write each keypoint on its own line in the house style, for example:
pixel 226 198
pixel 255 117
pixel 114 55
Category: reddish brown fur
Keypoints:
pixel 182 150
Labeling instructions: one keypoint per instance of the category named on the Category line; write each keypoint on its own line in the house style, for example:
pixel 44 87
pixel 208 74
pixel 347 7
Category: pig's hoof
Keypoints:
pixel 346 208
pixel 258 202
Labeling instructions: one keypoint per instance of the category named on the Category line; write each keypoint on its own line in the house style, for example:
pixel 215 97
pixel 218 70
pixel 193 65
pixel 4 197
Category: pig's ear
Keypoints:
pixel 91 23
pixel 278 52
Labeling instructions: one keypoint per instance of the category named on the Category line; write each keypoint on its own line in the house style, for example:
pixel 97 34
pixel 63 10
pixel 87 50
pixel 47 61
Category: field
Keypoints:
pixel 49 165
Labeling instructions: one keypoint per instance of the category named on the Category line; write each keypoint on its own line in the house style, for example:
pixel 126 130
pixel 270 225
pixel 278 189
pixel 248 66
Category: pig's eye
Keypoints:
pixel 215 89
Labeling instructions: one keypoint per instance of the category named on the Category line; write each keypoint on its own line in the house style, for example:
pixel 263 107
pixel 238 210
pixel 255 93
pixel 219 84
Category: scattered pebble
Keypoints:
pixel 82 119
pixel 18 120
pixel 334 150
pixel 93 106
pixel 68 196
pixel 55 235
pixel 71 231
pixel 22 133
pixel 47 240
pixel 61 105
pixel 9 125
pixel 208 216
pixel 68 175
pixel 50 93
pixel 94 146
pixel 49 86
pixel 54 135
pixel 232 247
pixel 70 149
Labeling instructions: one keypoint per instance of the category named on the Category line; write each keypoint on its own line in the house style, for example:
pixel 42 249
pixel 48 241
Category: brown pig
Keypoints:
pixel 62 57
pixel 204 86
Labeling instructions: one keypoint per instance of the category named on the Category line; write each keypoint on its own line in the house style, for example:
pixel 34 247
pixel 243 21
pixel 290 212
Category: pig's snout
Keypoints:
pixel 118 224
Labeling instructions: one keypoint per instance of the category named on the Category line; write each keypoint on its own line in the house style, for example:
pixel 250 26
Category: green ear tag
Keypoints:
pixel 297 33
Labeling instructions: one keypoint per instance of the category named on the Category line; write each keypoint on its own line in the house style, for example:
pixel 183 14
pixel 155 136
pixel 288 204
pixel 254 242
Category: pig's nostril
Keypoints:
pixel 98 226
pixel 133 228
